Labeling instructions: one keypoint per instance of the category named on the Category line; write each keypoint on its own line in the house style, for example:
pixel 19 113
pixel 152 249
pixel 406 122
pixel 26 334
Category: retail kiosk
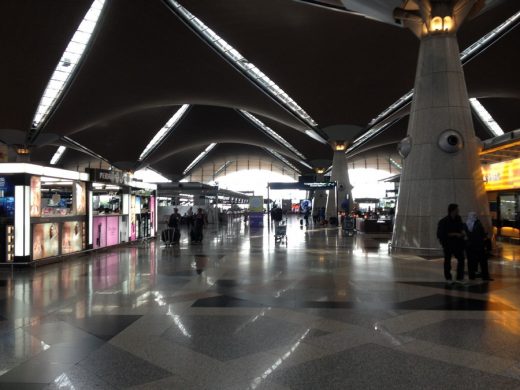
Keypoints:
pixel 43 212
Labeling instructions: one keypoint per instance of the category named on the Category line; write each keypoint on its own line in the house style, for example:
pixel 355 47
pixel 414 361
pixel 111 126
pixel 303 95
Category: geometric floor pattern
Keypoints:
pixel 323 311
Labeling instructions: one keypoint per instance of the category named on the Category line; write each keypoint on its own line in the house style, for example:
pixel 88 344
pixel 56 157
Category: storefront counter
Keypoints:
pixel 373 226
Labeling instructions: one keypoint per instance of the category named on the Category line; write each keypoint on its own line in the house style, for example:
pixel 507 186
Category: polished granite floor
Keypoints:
pixel 322 311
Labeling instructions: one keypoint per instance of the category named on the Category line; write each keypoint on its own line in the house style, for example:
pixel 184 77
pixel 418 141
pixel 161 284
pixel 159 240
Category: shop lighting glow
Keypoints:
pixel 486 117
pixel 249 69
pixel 164 131
pixel 40 170
pixel 478 46
pixel 199 157
pixel 68 63
pixel 282 159
pixel 270 132
pixel 57 156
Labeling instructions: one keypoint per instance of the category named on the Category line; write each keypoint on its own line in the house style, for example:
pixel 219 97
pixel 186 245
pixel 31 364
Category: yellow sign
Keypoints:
pixel 502 176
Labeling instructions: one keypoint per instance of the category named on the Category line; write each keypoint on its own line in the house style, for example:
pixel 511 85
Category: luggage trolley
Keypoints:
pixel 280 232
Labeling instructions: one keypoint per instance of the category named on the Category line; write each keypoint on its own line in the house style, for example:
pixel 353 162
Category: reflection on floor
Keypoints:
pixel 323 311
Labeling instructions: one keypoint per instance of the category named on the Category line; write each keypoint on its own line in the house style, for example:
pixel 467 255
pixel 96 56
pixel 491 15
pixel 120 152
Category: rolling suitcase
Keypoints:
pixel 176 236
pixel 167 236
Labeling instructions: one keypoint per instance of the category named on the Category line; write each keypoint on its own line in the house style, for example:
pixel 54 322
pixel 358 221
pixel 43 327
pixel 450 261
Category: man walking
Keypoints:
pixel 450 232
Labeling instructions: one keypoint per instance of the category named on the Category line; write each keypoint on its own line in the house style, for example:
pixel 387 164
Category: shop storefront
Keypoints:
pixel 47 212
pixel 123 210
pixel 502 183
pixel 43 212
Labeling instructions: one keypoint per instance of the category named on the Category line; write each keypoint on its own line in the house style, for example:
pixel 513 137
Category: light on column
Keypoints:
pixel 438 24
pixel 340 146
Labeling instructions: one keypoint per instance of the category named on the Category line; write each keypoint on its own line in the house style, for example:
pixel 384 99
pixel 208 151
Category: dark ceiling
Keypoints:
pixel 144 62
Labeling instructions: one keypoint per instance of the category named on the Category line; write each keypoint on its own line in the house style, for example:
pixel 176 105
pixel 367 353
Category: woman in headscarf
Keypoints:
pixel 476 249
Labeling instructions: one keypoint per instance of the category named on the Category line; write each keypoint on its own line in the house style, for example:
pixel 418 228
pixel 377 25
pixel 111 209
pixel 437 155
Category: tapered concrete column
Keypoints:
pixel 320 196
pixel 441 163
pixel 339 174
pixel 340 137
pixel 319 200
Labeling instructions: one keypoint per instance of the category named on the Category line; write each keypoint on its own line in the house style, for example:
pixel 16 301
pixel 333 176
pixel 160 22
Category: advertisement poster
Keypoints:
pixel 46 240
pixel 132 218
pixel 138 205
pixel 152 216
pixel 112 230
pixel 99 232
pixel 79 198
pixel 36 196
pixel 72 237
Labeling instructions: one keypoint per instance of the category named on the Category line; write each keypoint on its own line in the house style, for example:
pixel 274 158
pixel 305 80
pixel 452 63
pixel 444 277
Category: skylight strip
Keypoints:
pixel 222 167
pixel 465 56
pixel 396 164
pixel 164 131
pixel 243 64
pixel 266 129
pixel 489 37
pixel 199 157
pixel 67 65
pixel 486 117
pixel 57 156
pixel 282 159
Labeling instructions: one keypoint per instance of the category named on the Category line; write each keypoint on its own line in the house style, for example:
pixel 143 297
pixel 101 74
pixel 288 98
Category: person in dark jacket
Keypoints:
pixel 451 234
pixel 174 223
pixel 476 247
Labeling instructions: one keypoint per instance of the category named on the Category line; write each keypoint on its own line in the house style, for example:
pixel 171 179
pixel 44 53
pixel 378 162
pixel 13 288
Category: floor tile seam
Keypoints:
pixel 472 355
pixel 397 322
pixel 194 354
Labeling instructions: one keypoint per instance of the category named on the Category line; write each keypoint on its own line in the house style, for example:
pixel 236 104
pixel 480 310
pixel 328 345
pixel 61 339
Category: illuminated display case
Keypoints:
pixel 43 212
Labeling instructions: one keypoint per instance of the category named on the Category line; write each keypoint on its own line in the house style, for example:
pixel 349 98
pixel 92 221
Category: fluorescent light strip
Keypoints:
pixel 486 117
pixel 69 61
pixel 282 159
pixel 199 157
pixel 247 67
pixel 464 56
pixel 266 129
pixel 57 156
pixel 165 130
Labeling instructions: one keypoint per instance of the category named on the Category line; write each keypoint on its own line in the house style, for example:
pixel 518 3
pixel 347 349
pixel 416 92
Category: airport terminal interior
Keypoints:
pixel 260 194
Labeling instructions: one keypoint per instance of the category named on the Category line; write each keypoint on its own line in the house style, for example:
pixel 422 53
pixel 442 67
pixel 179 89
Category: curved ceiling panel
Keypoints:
pixel 506 112
pixel 310 148
pixel 144 56
pixel 125 137
pixel 203 125
pixel 495 72
pixel 34 36
pixel 333 63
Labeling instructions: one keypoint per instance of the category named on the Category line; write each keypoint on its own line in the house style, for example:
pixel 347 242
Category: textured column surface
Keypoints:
pixel 320 196
pixel 432 178
pixel 339 174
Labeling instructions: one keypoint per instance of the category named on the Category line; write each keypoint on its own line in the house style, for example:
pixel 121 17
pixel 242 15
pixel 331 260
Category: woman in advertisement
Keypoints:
pixel 36 195
pixel 45 240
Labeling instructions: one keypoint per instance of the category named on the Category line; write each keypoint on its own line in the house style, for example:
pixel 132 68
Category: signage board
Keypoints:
pixel 502 176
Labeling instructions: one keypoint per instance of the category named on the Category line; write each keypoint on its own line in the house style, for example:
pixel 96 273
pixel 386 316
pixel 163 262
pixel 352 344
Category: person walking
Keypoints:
pixel 476 247
pixel 189 218
pixel 174 223
pixel 451 234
